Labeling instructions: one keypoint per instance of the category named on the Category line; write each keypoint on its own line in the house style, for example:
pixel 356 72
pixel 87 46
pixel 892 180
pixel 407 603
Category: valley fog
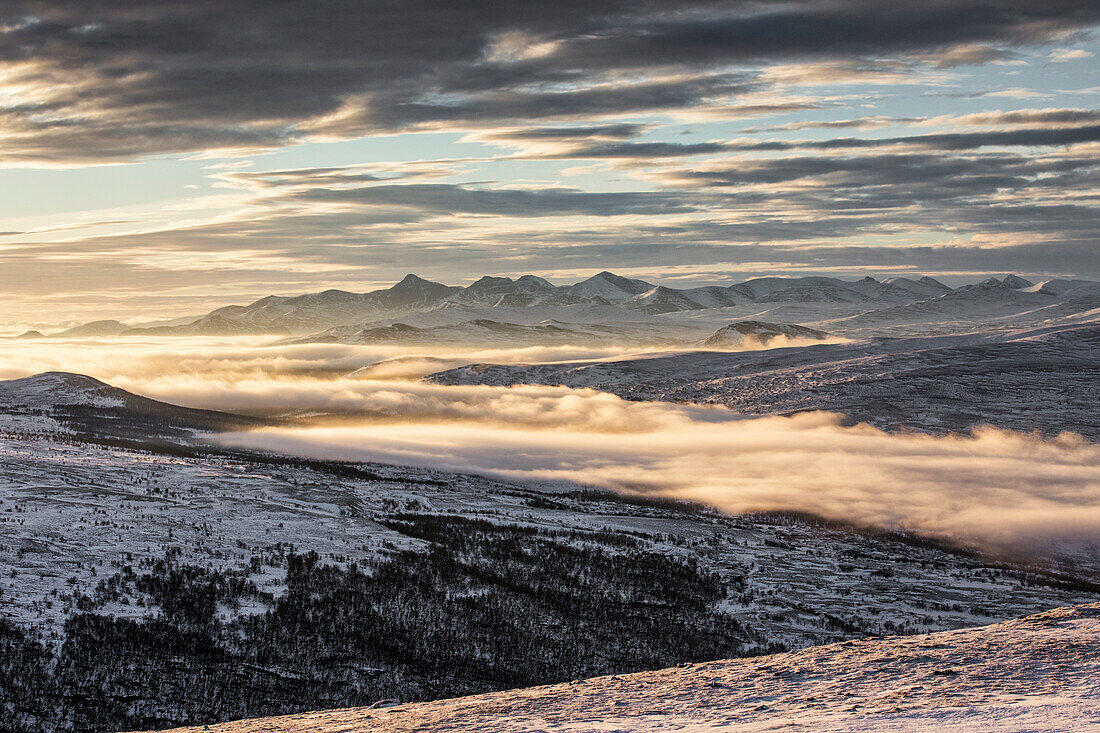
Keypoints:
pixel 142 363
pixel 991 486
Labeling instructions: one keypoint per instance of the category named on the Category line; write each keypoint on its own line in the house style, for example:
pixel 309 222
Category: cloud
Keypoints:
pixel 965 55
pixel 1064 55
pixel 451 199
pixel 862 123
pixel 612 132
pixel 530 88
pixel 1048 117
pixel 1041 137
pixel 1016 93
pixel 1062 132
pixel 213 372
pixel 993 486
pixel 880 179
pixel 642 150
pixel 1026 128
pixel 103 81
pixel 395 111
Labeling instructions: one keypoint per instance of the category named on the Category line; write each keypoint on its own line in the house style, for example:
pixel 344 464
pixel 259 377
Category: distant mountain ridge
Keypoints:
pixel 485 331
pixel 317 313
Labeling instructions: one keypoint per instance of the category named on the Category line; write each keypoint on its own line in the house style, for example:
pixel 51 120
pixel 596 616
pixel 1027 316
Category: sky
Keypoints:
pixel 163 158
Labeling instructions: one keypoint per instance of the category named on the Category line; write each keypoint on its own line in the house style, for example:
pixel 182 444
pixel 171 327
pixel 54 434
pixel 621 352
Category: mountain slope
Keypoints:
pixel 486 332
pixel 1042 379
pixel 609 286
pixel 736 334
pixel 95 328
pixel 969 307
pixel 110 554
pixel 661 300
pixel 1037 673
pixel 156 589
pixel 312 311
pixel 87 407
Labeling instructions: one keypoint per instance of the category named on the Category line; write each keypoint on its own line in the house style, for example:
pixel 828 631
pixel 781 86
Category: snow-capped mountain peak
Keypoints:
pixel 1016 282
pixel 933 282
pixel 661 300
pixel 610 286
pixel 1008 282
pixel 529 298
pixel 534 282
pixel 415 289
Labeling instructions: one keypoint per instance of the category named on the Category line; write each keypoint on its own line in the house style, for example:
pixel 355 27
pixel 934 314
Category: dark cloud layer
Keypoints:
pixel 1055 136
pixel 102 80
pixel 448 199
pixel 599 132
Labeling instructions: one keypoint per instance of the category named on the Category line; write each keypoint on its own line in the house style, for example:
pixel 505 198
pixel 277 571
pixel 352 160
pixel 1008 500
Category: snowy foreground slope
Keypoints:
pixel 1037 674
pixel 166 582
pixel 144 590
pixel 71 514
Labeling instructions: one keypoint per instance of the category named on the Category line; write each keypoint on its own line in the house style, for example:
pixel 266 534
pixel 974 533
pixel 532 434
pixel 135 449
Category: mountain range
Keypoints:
pixel 337 315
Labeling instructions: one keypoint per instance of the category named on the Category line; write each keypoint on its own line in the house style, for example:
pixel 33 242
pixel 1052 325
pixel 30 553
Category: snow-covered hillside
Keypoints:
pixel 51 390
pixel 83 406
pixel 1045 379
pixel 1034 674
pixel 609 286
pixel 79 510
pixel 151 580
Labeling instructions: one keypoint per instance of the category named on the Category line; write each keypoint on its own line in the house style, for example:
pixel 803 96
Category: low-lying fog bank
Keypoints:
pixel 993 486
pixel 990 486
